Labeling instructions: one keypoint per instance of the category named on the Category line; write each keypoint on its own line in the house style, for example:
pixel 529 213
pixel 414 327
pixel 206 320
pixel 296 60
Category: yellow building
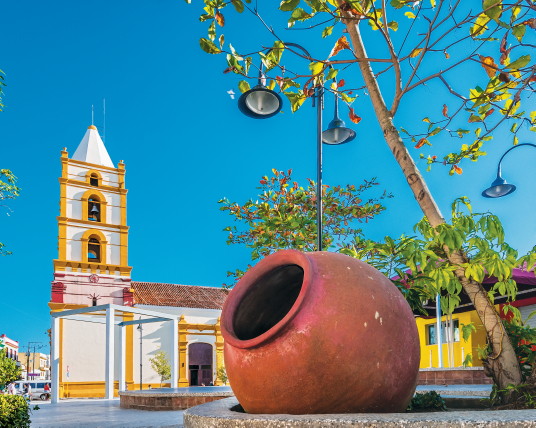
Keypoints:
pixel 454 347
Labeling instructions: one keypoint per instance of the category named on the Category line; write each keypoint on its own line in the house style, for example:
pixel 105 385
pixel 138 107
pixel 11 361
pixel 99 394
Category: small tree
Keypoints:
pixel 161 366
pixel 283 215
pixel 8 187
pixel 221 374
pixel 9 371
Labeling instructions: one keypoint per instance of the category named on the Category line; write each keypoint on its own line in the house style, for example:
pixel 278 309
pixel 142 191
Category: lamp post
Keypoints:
pixel 500 187
pixel 262 103
pixel 140 328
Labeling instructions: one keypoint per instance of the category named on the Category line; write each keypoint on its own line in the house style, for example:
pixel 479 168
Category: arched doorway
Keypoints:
pixel 200 364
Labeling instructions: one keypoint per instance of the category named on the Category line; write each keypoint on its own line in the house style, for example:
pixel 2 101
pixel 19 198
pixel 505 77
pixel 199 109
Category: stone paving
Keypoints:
pixel 94 413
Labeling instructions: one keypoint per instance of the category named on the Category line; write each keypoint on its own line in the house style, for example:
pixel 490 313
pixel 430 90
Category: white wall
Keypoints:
pixel 525 312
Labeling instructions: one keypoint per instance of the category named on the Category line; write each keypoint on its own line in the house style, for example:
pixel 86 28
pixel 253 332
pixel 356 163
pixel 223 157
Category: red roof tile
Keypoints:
pixel 184 296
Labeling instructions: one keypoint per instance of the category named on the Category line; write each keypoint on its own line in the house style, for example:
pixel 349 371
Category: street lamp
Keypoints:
pixel 140 328
pixel 262 103
pixel 500 187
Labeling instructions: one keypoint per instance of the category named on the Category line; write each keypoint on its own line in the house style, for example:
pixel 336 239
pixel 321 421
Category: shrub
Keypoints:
pixel 14 412
pixel 429 401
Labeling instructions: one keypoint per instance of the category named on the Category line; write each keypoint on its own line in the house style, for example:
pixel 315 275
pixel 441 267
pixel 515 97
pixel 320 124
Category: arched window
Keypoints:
pixel 94 179
pixel 93 250
pixel 94 209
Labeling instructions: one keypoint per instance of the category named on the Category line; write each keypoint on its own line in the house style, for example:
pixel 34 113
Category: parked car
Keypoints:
pixel 38 389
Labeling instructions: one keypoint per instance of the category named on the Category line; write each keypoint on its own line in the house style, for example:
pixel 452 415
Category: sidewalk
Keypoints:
pixel 93 413
pixel 457 390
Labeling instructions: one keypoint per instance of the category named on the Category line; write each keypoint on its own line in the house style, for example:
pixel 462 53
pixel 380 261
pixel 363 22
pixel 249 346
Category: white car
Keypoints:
pixel 38 389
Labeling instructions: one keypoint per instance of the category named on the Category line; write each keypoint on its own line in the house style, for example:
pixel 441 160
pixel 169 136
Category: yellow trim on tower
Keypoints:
pixel 92 165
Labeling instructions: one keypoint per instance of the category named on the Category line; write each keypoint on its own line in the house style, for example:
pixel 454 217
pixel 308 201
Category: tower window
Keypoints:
pixel 93 209
pixel 93 250
pixel 94 180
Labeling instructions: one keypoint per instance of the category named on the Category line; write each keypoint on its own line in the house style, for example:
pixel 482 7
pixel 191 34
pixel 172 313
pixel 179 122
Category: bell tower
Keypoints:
pixel 92 264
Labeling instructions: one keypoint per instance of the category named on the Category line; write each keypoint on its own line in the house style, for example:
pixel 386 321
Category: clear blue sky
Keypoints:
pixel 184 143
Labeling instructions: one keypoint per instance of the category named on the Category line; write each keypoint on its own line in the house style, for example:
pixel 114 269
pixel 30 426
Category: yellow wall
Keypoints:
pixel 429 353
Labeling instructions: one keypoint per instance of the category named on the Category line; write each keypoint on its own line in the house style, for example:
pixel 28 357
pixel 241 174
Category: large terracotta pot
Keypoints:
pixel 319 333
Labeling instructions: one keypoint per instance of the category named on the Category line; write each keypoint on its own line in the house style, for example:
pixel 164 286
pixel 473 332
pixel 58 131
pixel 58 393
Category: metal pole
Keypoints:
pixel 439 336
pixel 141 354
pixel 320 102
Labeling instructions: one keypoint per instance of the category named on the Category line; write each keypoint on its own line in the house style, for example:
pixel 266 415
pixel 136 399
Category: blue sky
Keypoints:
pixel 184 142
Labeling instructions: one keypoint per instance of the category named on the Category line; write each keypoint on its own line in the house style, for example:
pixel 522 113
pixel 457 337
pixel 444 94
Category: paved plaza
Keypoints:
pixel 93 413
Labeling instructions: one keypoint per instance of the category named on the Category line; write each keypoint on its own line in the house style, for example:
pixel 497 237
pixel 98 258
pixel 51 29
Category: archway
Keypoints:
pixel 200 364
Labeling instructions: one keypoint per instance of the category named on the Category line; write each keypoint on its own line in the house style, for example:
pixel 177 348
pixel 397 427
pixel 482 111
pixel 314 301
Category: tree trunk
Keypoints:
pixel 502 364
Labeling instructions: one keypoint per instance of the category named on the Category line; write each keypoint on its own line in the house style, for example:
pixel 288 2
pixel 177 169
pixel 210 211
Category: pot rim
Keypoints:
pixel 235 297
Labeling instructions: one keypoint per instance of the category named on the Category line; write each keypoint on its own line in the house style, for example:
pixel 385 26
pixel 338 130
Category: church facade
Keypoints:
pixel 92 269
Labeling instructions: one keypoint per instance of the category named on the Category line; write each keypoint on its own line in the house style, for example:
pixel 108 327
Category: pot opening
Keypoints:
pixel 267 301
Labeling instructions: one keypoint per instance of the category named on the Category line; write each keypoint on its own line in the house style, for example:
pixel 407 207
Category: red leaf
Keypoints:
pixel 340 83
pixel 354 117
pixel 263 182
pixel 445 110
pixel 341 44
pixel 489 65
pixel 421 143
pixel 489 112
pixel 219 19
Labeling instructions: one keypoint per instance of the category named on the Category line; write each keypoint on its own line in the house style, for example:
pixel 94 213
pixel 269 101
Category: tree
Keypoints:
pixel 284 215
pixel 161 366
pixel 8 187
pixel 424 43
pixel 9 371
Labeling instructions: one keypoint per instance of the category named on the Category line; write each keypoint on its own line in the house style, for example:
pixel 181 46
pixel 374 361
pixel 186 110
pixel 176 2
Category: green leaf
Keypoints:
pixel 288 5
pixel 208 46
pixel 519 63
pixel 243 86
pixel 393 25
pixel 332 73
pixel 238 5
pixel 316 67
pixel 519 31
pixel 296 100
pixel 327 31
pixel 492 8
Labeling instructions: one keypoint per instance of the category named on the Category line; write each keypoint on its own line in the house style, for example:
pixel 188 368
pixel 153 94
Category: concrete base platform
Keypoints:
pixel 172 398
pixel 219 414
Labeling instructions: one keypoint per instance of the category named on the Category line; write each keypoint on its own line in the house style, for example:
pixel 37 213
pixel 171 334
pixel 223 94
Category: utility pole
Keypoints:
pixel 36 345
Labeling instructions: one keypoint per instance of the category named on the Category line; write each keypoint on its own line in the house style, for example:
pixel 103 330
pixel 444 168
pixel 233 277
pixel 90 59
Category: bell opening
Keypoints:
pixel 262 102
pixel 267 301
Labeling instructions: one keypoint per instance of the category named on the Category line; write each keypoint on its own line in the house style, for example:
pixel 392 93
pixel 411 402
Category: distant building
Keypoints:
pixel 92 269
pixel 11 347
pixel 34 365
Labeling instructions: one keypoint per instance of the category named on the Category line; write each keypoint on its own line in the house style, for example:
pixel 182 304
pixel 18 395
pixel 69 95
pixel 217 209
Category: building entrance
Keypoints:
pixel 200 364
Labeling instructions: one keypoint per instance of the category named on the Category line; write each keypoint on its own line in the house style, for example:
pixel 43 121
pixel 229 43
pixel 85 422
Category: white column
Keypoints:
pixel 439 333
pixel 109 372
pixel 123 358
pixel 175 354
pixel 55 365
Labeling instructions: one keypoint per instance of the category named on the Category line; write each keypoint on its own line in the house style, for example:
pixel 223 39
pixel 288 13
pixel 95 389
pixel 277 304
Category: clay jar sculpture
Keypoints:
pixel 319 332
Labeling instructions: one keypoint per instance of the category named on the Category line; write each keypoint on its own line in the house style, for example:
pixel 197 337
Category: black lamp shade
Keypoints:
pixel 337 133
pixel 498 188
pixel 260 103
